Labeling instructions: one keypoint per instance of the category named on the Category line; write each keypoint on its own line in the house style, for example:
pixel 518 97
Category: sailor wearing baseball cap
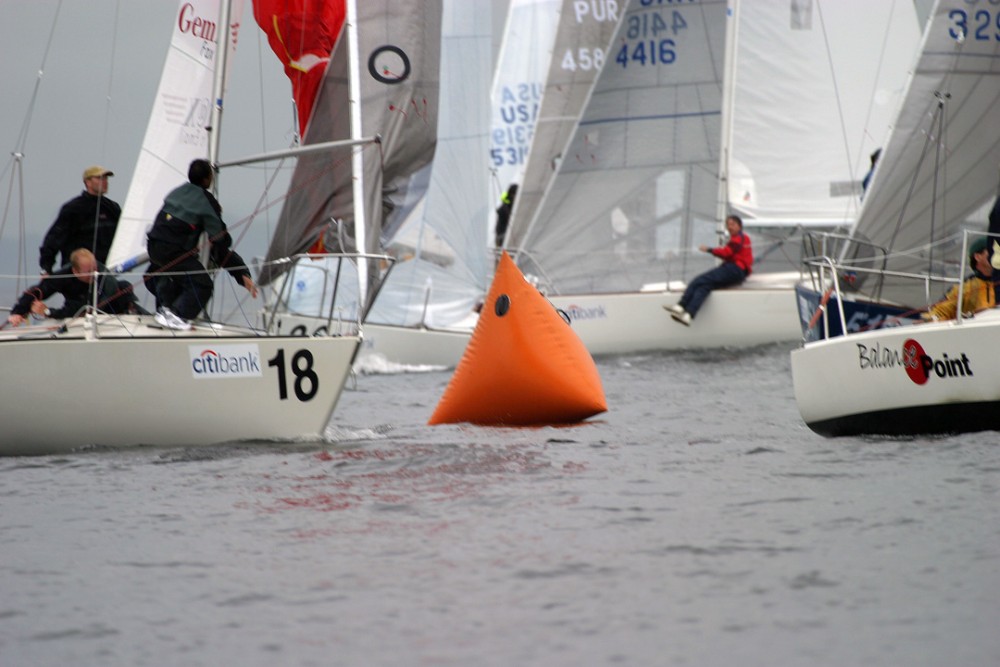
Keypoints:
pixel 87 221
pixel 96 171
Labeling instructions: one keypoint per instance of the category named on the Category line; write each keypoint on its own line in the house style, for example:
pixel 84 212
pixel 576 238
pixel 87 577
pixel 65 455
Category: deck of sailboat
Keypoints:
pixel 108 326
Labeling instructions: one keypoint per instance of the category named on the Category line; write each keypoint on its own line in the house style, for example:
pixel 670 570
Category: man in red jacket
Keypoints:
pixel 737 258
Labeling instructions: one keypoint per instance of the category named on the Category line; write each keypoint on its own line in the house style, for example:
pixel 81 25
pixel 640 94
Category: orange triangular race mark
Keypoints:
pixel 524 366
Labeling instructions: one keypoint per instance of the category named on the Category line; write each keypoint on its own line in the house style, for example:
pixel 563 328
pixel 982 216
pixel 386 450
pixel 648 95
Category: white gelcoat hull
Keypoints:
pixel 405 346
pixel 413 347
pixel 635 322
pixel 759 312
pixel 860 383
pixel 141 389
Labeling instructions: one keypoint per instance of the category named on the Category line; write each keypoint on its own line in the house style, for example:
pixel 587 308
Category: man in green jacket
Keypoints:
pixel 181 284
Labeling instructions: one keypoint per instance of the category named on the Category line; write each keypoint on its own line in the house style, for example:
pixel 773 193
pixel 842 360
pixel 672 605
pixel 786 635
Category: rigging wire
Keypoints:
pixel 836 89
pixel 107 118
pixel 16 165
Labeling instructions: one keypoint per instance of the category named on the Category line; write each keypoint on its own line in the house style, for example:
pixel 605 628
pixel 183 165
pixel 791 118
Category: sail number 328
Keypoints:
pixel 306 382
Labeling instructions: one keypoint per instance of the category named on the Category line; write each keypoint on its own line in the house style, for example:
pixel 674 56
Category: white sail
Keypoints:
pixel 444 260
pixel 639 175
pixel 816 86
pixel 940 164
pixel 579 52
pixel 394 66
pixel 178 130
pixel 639 184
pixel 518 85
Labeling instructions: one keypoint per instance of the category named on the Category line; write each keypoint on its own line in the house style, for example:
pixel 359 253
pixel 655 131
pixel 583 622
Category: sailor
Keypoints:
pixel 75 282
pixel 737 259
pixel 189 210
pixel 978 291
pixel 503 213
pixel 87 221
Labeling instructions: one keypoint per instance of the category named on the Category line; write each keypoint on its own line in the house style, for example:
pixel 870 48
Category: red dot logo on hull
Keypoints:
pixel 913 352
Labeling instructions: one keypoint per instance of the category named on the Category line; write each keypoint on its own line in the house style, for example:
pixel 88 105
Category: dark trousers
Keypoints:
pixel 698 289
pixel 186 294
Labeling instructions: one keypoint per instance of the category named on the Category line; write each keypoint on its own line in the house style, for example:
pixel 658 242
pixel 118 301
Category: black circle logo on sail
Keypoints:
pixel 389 64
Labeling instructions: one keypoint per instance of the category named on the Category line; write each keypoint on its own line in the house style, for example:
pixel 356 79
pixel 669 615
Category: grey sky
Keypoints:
pixel 93 104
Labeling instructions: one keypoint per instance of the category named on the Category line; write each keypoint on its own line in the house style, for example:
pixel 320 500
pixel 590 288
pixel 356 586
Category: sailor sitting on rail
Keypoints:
pixel 75 282
pixel 978 292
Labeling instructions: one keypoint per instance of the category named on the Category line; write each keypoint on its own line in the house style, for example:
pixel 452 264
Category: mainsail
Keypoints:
pixel 393 65
pixel 444 258
pixel 518 84
pixel 837 81
pixel 579 53
pixel 940 164
pixel 678 113
pixel 178 130
pixel 638 175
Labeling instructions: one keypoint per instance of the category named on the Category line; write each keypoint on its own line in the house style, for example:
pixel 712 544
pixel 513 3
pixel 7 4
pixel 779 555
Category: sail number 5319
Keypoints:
pixel 306 382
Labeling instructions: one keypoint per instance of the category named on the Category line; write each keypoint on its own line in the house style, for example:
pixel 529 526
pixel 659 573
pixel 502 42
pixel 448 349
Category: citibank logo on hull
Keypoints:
pixel 224 361
pixel 919 365
pixel 576 312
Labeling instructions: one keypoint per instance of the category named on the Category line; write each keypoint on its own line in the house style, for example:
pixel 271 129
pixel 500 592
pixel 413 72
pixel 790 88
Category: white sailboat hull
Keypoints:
pixel 760 311
pixel 636 322
pixel 411 346
pixel 396 345
pixel 139 385
pixel 877 382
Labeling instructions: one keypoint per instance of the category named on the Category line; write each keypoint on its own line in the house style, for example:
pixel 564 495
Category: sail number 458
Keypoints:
pixel 306 382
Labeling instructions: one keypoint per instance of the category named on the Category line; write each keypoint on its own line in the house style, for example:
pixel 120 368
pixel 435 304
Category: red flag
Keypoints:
pixel 302 34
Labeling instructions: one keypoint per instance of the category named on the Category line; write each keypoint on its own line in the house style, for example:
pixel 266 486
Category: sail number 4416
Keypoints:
pixel 306 382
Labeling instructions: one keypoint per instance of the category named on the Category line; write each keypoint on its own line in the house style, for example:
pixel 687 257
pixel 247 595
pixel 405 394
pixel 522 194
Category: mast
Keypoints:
pixel 728 101
pixel 218 82
pixel 357 156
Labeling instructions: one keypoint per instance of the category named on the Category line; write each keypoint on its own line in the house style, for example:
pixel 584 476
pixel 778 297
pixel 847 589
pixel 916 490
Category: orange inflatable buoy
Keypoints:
pixel 524 365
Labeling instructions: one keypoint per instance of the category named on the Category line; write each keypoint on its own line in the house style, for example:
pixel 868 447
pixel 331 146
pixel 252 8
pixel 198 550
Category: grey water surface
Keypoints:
pixel 697 522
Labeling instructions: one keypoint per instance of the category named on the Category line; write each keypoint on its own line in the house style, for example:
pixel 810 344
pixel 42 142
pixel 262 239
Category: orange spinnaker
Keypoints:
pixel 524 366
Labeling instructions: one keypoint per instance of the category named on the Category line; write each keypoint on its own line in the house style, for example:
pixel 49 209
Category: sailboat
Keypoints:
pixel 397 51
pixel 425 313
pixel 655 160
pixel 869 363
pixel 133 382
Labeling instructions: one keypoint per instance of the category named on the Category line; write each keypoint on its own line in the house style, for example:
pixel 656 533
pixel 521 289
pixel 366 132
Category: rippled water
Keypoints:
pixel 698 522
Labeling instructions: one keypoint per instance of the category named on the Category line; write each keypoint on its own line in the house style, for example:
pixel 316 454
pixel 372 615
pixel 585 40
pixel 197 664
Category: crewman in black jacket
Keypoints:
pixel 75 282
pixel 88 221
pixel 189 210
